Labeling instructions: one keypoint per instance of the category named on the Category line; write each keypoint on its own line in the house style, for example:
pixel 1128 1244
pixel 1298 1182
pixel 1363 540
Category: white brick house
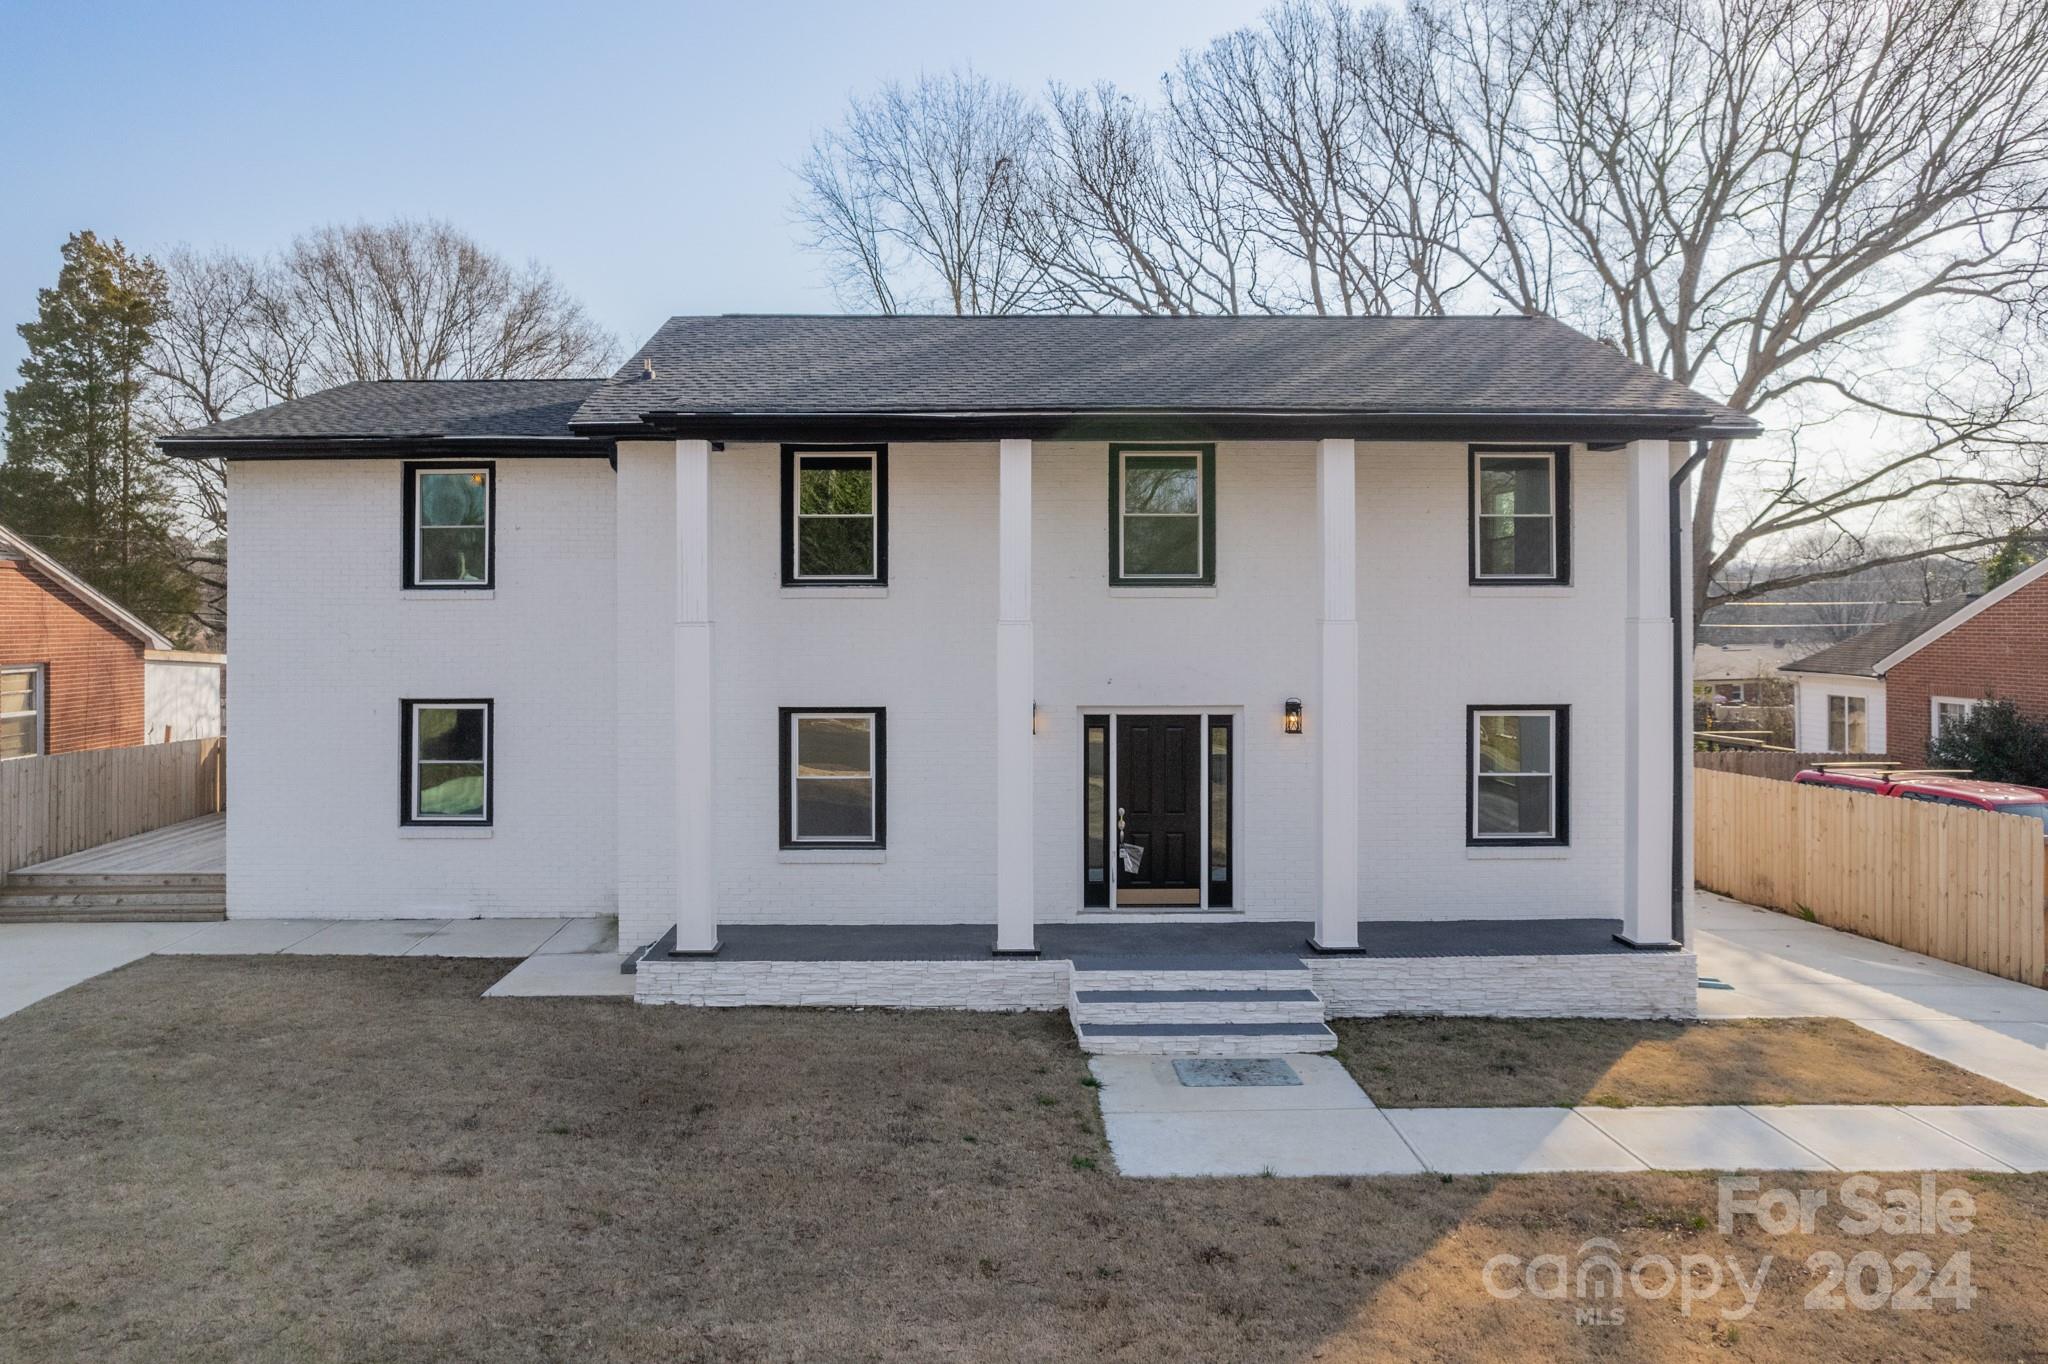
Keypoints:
pixel 798 626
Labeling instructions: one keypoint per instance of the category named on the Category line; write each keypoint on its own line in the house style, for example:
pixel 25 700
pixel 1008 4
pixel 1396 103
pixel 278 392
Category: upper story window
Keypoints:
pixel 1521 515
pixel 446 772
pixel 835 515
pixel 832 778
pixel 21 712
pixel 1162 515
pixel 1515 785
pixel 449 514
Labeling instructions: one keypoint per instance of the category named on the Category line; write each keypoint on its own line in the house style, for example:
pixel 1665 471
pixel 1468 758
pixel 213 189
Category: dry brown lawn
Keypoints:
pixel 1485 1062
pixel 347 1158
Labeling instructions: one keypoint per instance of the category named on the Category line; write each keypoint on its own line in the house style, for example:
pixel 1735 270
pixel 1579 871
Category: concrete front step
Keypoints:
pixel 1196 1006
pixel 1204 1039
pixel 1184 978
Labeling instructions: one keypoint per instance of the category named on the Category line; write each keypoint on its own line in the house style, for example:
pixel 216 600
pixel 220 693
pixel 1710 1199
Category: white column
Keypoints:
pixel 1334 721
pixel 1015 906
pixel 1648 715
pixel 1681 693
pixel 696 913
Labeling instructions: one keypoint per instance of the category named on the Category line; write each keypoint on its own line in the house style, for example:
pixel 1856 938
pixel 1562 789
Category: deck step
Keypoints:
pixel 13 898
pixel 1204 1039
pixel 115 880
pixel 119 914
pixel 1196 1006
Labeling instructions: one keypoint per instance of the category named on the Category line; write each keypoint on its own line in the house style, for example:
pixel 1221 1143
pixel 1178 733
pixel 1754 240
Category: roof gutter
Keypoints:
pixel 375 447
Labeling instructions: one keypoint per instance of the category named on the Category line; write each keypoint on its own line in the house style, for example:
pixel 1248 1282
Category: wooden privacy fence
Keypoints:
pixel 1962 885
pixel 63 803
pixel 1777 766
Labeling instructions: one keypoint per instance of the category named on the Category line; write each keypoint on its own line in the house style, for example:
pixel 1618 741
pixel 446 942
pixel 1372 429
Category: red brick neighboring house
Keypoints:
pixel 72 662
pixel 1894 685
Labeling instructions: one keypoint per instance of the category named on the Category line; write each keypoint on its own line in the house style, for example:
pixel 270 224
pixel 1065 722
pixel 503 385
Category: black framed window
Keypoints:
pixel 1516 784
pixel 450 526
pixel 835 515
pixel 1162 515
pixel 1519 520
pixel 834 764
pixel 445 762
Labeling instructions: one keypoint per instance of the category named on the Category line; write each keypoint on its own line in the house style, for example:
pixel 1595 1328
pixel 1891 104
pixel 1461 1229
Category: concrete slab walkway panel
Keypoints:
pixel 566 975
pixel 245 937
pixel 489 938
pixel 368 937
pixel 1148 1084
pixel 1702 1138
pixel 1489 1141
pixel 2017 1136
pixel 1294 1142
pixel 1857 1137
pixel 598 933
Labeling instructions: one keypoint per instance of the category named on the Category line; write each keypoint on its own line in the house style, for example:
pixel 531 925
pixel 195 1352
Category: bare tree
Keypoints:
pixel 910 198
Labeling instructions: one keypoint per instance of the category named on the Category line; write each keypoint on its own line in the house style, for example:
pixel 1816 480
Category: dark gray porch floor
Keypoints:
pixel 1163 945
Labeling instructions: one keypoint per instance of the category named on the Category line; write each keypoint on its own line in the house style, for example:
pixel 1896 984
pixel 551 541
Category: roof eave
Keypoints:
pixel 372 447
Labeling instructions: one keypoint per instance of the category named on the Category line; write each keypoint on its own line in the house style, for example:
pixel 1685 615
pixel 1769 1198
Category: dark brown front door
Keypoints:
pixel 1159 807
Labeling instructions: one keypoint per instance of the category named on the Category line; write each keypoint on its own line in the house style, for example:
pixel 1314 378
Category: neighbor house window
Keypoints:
pixel 447 762
pixel 835 516
pixel 21 712
pixel 1948 710
pixel 1521 515
pixel 448 525
pixel 832 778
pixel 1848 724
pixel 1515 793
pixel 1162 515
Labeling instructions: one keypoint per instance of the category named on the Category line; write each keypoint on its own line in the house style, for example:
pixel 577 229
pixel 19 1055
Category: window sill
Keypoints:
pixel 831 591
pixel 447 593
pixel 1532 590
pixel 1547 852
pixel 865 857
pixel 1165 590
pixel 444 831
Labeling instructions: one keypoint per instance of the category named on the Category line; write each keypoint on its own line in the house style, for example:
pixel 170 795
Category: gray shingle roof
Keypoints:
pixel 863 365
pixel 1859 655
pixel 413 409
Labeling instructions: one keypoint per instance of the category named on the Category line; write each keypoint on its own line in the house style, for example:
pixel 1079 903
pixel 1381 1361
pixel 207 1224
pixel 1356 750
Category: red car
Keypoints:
pixel 1936 788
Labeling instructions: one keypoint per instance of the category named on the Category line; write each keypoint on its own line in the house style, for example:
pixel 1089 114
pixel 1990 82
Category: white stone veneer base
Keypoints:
pixel 1610 985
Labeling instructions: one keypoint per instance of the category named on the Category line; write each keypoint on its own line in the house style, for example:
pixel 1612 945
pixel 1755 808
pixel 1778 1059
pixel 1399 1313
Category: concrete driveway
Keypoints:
pixel 1755 963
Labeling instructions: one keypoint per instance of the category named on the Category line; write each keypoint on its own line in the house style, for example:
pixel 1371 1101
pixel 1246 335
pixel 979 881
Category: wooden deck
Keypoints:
pixel 195 847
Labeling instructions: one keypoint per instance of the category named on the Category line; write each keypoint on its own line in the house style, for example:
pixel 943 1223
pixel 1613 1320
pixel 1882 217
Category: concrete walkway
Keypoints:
pixel 1326 1125
pixel 567 956
pixel 1755 963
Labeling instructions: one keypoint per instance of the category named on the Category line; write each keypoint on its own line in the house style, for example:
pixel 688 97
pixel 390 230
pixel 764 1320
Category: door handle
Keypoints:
pixel 1119 820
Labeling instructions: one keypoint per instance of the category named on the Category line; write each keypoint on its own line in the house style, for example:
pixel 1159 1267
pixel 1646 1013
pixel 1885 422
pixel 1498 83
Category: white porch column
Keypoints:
pixel 1648 715
pixel 696 913
pixel 1335 718
pixel 1014 690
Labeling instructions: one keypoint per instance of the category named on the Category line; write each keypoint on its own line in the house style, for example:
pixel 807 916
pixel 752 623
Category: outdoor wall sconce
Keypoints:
pixel 1035 728
pixel 1294 715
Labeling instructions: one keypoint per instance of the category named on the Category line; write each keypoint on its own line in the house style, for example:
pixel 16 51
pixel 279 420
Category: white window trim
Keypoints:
pixel 1124 516
pixel 1550 772
pixel 413 814
pixel 1934 705
pixel 796 833
pixel 796 510
pixel 39 706
pixel 1549 458
pixel 420 526
pixel 1828 720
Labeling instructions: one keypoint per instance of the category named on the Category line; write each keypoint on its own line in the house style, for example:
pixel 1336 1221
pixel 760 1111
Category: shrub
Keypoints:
pixel 1997 743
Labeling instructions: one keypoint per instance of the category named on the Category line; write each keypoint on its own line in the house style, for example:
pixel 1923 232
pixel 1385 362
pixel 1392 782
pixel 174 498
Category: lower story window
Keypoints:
pixel 832 778
pixel 1848 724
pixel 447 762
pixel 1947 711
pixel 1515 793
pixel 21 712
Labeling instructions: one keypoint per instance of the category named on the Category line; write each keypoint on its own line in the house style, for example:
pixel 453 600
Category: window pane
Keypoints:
pixel 831 745
pixel 451 555
pixel 835 809
pixel 1163 484
pixel 1514 743
pixel 1509 486
pixel 1219 802
pixel 1097 759
pixel 17 691
pixel 18 736
pixel 448 734
pixel 452 789
pixel 1158 546
pixel 836 548
pixel 1517 806
pixel 1516 546
pixel 453 499
pixel 842 486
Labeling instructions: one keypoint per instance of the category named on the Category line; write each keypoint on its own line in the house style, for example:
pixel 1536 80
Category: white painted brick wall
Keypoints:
pixel 987 986
pixel 324 646
pixel 1614 985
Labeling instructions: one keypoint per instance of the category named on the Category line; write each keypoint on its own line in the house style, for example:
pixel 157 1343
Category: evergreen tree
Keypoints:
pixel 81 477
pixel 2012 556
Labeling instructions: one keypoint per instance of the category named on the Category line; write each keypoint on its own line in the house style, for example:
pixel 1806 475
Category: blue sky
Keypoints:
pixel 640 151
